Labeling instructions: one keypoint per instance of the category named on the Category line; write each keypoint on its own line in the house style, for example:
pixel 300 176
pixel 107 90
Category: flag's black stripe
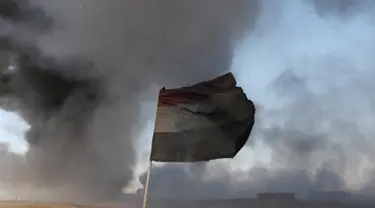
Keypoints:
pixel 224 120
pixel 222 115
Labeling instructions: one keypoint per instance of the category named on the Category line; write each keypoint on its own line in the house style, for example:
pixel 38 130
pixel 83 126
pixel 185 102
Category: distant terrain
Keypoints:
pixel 269 201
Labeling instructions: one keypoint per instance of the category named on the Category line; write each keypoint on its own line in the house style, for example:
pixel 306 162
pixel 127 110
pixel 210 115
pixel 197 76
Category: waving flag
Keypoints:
pixel 206 121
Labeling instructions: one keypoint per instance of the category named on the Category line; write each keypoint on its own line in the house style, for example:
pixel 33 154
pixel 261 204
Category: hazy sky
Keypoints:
pixel 12 128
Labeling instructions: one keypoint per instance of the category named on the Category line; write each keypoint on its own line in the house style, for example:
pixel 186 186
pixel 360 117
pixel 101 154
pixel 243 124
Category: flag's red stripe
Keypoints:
pixel 196 92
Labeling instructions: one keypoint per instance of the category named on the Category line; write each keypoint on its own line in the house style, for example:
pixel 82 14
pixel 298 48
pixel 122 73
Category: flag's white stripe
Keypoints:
pixel 180 117
pixel 173 119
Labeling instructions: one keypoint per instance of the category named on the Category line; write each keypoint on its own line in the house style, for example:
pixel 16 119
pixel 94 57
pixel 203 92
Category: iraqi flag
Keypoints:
pixel 206 121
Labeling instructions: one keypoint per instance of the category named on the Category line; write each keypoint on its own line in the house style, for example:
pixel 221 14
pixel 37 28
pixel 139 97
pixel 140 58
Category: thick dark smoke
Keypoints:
pixel 309 66
pixel 86 67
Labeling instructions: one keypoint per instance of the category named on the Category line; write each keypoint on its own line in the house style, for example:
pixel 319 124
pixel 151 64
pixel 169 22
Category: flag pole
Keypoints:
pixel 145 196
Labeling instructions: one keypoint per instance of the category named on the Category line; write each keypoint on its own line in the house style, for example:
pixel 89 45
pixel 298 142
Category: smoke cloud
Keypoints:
pixel 86 67
pixel 309 67
pixel 306 63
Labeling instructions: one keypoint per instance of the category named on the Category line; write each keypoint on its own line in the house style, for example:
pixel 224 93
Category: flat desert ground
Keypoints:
pixel 20 204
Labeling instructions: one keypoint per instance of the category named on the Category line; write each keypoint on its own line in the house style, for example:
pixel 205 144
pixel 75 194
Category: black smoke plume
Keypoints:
pixel 84 68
